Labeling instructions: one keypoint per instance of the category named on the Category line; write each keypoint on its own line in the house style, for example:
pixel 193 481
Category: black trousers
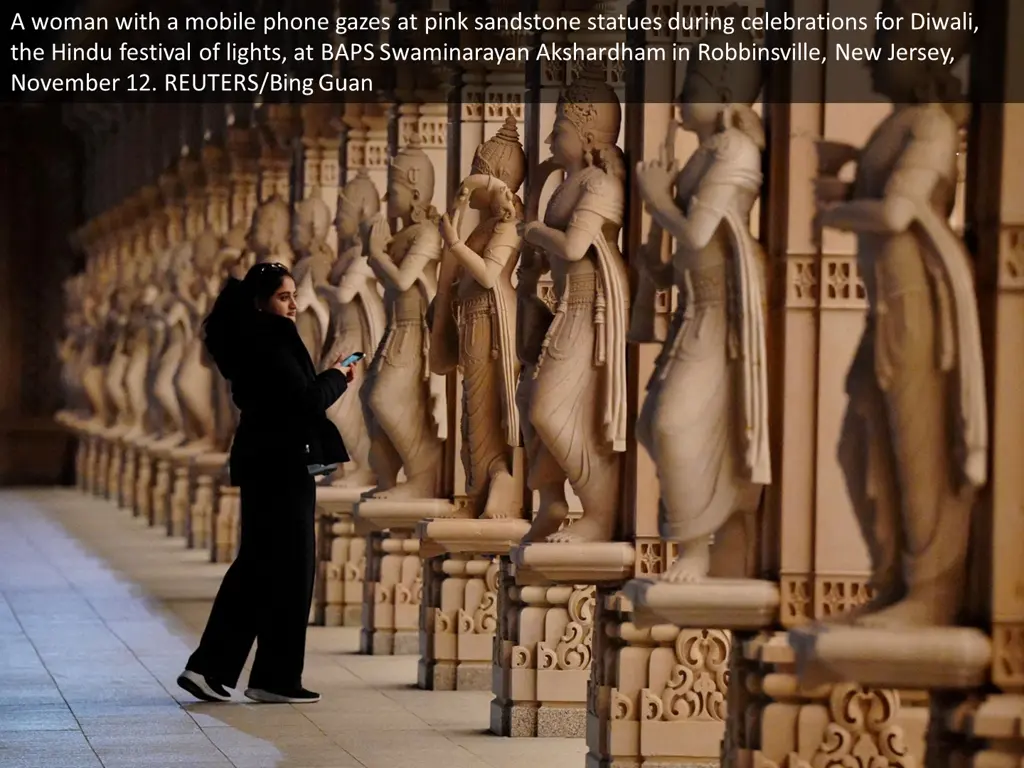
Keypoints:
pixel 266 593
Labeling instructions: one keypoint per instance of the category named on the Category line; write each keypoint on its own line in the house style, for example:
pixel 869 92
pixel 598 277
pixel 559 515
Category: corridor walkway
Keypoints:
pixel 97 616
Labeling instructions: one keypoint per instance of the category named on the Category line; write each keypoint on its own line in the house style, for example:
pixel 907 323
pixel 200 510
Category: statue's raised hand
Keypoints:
pixel 656 177
pixel 380 236
pixel 449 233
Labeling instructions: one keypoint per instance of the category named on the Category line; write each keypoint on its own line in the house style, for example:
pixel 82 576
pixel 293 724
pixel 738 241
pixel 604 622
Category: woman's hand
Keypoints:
pixel 348 370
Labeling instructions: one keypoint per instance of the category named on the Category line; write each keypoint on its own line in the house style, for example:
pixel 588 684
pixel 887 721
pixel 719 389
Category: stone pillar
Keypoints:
pixel 975 678
pixel 172 470
pixel 461 594
pixel 206 176
pixel 216 502
pixel 422 109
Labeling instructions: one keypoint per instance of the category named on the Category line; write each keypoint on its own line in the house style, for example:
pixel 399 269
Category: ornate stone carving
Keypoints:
pixel 357 320
pixel 575 403
pixel 406 406
pixel 914 442
pixel 705 418
pixel 475 328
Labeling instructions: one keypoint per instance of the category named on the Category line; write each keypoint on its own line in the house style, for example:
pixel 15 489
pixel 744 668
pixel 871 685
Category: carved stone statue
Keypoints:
pixel 195 377
pixel 117 364
pixel 269 235
pixel 310 226
pixel 578 404
pixel 481 338
pixel 705 418
pixel 358 320
pixel 139 341
pixel 170 330
pixel 914 442
pixel 94 357
pixel 406 407
pixel 72 345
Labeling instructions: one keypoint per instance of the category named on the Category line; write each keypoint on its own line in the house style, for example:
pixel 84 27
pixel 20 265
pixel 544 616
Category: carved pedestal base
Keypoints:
pixel 115 468
pixel 163 481
pixel 102 471
pixel 541 662
pixel 460 617
pixel 200 534
pixel 461 586
pixel 341 560
pixel 179 522
pixel 126 491
pixel 657 694
pixel 227 525
pixel 81 462
pixel 209 469
pixel 144 484
pixel 392 593
pixel 980 733
pixel 775 721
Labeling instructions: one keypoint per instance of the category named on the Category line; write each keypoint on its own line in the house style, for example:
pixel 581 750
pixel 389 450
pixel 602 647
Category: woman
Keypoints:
pixel 282 430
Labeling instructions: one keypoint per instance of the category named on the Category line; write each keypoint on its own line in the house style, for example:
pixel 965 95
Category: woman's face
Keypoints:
pixel 283 301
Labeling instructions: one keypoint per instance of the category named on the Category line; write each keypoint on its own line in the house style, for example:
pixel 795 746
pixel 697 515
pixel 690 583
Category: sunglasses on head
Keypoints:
pixel 271 266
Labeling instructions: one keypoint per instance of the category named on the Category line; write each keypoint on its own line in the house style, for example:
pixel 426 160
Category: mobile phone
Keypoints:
pixel 352 359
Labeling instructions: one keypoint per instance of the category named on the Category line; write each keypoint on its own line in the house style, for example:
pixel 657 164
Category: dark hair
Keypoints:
pixel 234 311
pixel 262 281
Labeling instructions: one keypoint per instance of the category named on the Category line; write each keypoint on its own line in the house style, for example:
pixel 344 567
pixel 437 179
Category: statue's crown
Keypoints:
pixel 412 167
pixel 502 155
pixel 591 105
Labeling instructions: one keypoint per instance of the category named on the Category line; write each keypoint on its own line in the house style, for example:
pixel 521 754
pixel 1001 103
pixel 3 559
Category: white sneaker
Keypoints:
pixel 201 688
pixel 297 696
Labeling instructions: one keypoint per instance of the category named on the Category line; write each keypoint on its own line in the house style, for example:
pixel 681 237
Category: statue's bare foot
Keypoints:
pixel 344 479
pixel 548 521
pixel 687 569
pixel 407 491
pixel 500 498
pixel 586 530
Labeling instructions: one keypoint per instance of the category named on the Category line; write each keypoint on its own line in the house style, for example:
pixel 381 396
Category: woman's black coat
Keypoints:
pixel 282 400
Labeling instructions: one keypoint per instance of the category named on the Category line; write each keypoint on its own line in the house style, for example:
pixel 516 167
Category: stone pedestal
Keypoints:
pixel 81 460
pixel 542 658
pixel 459 616
pixel 101 472
pixel 392 593
pixel 393 586
pixel 341 559
pixel 144 472
pixel 115 466
pixel 209 469
pixel 227 525
pixel 92 464
pixel 162 486
pixel 126 491
pixel 660 694
pixel 547 634
pixel 182 487
pixel 460 612
pixel 869 724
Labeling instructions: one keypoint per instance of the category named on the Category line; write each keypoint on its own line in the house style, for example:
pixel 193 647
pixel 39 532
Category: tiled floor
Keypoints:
pixel 97 616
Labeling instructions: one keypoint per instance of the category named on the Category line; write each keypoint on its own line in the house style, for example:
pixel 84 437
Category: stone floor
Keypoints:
pixel 97 616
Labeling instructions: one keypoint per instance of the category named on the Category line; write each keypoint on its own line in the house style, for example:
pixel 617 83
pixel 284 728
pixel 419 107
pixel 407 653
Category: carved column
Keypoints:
pixel 209 464
pixel 592 572
pixel 167 457
pixel 457 649
pixel 214 492
pixel 203 176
